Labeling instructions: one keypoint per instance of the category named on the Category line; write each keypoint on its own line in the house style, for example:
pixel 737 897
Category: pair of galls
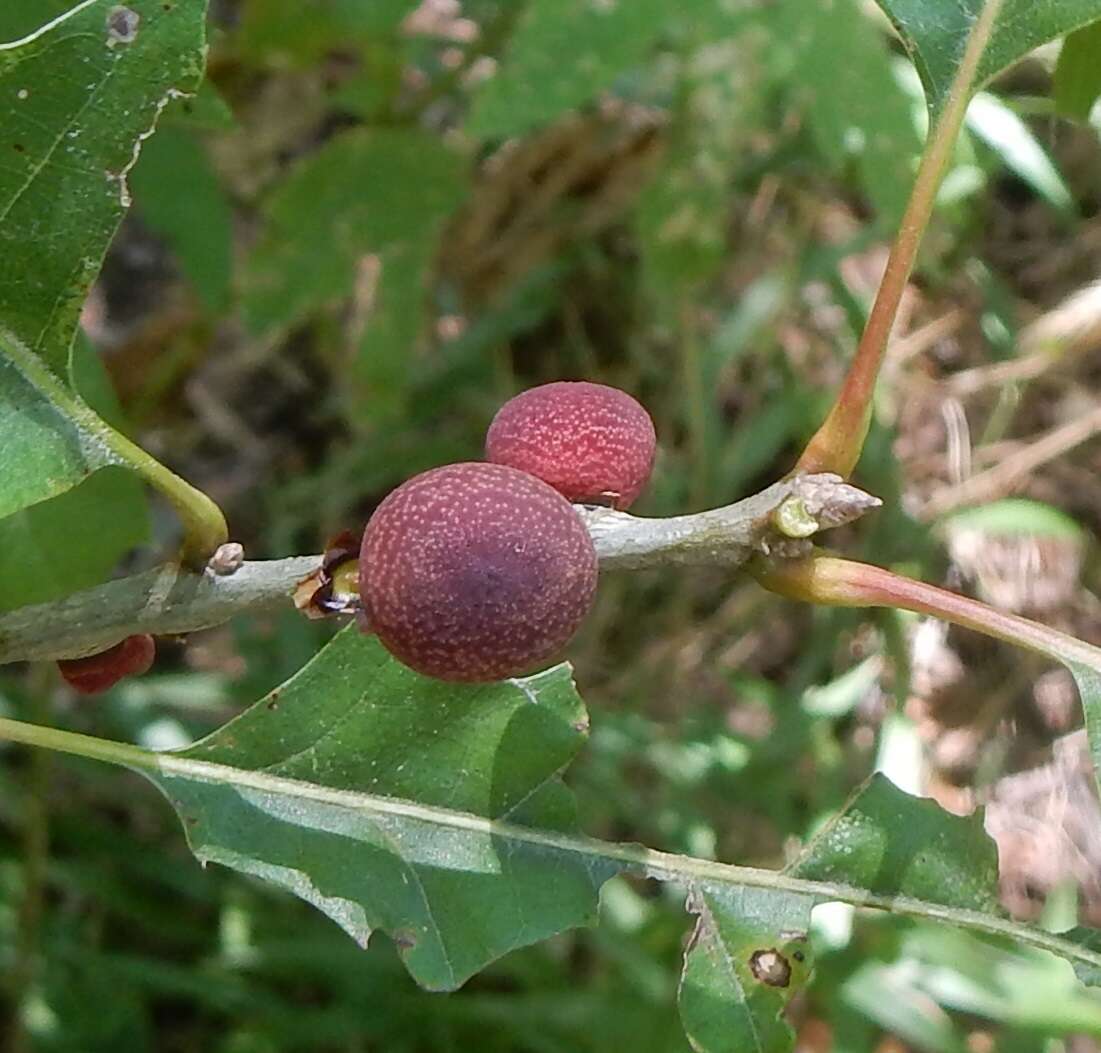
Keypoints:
pixel 483 570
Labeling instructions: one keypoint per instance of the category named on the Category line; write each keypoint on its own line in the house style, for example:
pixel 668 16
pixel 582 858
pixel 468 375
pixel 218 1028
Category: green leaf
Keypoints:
pixel 858 112
pixel 79 95
pixel 49 440
pixel 934 32
pixel 18 18
pixel 1088 678
pixel 1016 516
pixel 746 959
pixel 362 193
pixel 886 995
pixel 206 110
pixel 682 213
pixel 383 365
pixel 842 694
pixel 1078 73
pixel 892 844
pixel 44 558
pixel 1010 138
pixel 179 196
pixel 562 54
pixel 361 215
pixel 1017 986
pixel 1088 973
pixel 94 385
pixel 298 33
pixel 436 813
pixel 378 753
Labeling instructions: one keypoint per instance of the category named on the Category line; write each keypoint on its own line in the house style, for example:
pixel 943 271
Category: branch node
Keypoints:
pixel 227 559
pixel 171 600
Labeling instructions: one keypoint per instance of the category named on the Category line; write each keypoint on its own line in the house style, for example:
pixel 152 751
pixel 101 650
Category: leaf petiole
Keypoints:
pixel 837 444
pixel 203 522
pixel 835 582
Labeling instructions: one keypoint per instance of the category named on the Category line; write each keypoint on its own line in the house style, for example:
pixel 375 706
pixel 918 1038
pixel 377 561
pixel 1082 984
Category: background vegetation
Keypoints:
pixel 374 223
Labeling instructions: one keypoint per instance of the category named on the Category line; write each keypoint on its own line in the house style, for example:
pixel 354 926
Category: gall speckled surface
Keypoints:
pixel 475 572
pixel 97 672
pixel 592 443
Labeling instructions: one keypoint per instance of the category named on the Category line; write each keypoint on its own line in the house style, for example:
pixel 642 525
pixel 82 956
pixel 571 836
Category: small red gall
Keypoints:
pixel 594 444
pixel 475 572
pixel 97 672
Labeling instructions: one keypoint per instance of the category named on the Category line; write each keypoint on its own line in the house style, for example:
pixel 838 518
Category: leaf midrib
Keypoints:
pixel 648 862
pixel 707 916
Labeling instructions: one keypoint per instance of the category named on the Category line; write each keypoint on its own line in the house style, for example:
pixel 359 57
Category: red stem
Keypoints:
pixel 846 583
pixel 837 444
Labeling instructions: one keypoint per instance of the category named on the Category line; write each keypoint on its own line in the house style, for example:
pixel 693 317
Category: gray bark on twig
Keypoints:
pixel 168 600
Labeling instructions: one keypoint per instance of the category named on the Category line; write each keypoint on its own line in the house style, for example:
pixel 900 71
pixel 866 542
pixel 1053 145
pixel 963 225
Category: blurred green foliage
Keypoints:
pixel 378 224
